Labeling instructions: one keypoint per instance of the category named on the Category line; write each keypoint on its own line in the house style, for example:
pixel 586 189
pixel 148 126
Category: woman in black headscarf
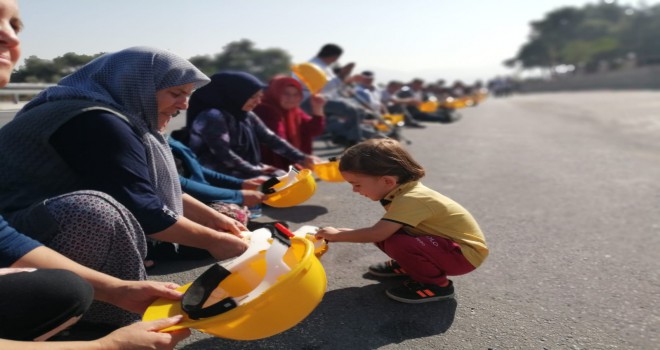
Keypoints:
pixel 226 135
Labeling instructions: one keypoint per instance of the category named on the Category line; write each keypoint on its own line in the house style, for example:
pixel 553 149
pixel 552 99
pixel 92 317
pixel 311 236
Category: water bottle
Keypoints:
pixel 255 211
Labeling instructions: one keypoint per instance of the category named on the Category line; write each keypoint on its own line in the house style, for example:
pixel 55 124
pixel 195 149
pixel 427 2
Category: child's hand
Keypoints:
pixel 327 233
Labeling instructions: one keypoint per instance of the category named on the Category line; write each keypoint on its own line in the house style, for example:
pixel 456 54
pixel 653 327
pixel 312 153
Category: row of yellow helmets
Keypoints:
pixel 433 104
pixel 315 79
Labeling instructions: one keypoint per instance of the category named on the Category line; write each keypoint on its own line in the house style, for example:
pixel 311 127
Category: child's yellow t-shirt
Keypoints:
pixel 423 211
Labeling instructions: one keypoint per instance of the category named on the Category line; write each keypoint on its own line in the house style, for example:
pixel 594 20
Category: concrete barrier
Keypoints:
pixel 639 78
pixel 15 95
pixel 11 106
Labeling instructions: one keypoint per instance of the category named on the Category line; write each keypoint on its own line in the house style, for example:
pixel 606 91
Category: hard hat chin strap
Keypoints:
pixel 200 290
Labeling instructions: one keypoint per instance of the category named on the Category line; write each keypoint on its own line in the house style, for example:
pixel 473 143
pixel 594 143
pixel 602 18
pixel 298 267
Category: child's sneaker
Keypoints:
pixel 414 292
pixel 389 268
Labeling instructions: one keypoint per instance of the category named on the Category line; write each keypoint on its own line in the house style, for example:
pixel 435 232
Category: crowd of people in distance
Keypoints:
pixel 357 108
pixel 502 86
pixel 94 191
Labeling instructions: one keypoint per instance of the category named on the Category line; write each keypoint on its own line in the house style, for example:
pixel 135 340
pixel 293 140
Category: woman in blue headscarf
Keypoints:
pixel 226 135
pixel 87 171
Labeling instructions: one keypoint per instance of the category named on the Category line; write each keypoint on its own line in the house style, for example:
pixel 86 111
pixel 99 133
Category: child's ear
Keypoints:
pixel 390 180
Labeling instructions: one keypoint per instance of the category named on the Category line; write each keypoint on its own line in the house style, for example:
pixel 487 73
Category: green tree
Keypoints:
pixel 534 54
pixel 242 55
pixel 588 36
pixel 641 36
pixel 36 69
pixel 203 63
pixel 70 62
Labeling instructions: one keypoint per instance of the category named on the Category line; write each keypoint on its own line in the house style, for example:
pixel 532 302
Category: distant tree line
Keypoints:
pixel 239 55
pixel 590 37
pixel 38 70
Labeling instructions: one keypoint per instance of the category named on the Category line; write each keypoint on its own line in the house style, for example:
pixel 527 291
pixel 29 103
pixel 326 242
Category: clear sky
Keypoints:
pixel 397 39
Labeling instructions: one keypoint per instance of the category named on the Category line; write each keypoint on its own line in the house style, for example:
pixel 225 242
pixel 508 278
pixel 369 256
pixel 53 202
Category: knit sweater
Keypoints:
pixel 31 170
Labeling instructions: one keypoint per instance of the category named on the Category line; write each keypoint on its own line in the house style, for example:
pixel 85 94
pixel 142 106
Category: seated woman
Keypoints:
pixel 280 111
pixel 227 194
pixel 43 292
pixel 87 171
pixel 226 135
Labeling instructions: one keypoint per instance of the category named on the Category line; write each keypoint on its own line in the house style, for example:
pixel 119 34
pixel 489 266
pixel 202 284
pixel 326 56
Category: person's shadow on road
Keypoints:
pixel 352 318
pixel 296 214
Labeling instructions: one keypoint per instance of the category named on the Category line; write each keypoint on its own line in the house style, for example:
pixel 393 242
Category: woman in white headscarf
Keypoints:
pixel 87 171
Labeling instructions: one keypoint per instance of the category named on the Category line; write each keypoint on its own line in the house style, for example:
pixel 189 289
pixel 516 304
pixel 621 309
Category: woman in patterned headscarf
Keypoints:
pixel 226 135
pixel 87 171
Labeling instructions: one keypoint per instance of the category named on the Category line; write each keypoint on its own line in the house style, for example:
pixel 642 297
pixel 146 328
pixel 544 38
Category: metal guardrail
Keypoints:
pixel 18 90
pixel 26 86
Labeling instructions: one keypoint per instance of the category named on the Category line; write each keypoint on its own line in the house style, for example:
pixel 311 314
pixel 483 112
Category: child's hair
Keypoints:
pixel 379 157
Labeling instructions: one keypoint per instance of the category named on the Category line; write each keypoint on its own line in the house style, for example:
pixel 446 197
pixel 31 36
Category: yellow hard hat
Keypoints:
pixel 265 293
pixel 455 103
pixel 329 171
pixel 395 119
pixel 311 75
pixel 289 190
pixel 308 232
pixel 428 106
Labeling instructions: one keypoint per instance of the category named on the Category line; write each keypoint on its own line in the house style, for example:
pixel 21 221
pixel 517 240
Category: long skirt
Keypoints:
pixel 94 230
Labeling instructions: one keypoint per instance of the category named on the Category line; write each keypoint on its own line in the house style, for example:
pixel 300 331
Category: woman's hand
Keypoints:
pixel 254 183
pixel 252 198
pixel 225 246
pixel 222 222
pixel 136 296
pixel 310 160
pixel 346 70
pixel 145 335
pixel 202 214
pixel 203 227
pixel 317 103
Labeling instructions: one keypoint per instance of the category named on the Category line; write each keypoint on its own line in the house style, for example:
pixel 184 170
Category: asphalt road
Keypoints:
pixel 565 188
